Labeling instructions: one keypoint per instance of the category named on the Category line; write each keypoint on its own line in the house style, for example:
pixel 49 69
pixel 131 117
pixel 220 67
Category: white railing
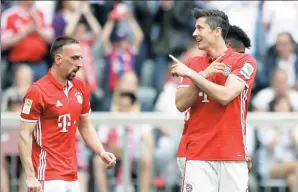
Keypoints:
pixel 12 120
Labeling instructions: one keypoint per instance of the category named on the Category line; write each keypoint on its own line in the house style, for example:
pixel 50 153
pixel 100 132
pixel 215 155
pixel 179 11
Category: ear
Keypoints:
pixel 218 31
pixel 58 59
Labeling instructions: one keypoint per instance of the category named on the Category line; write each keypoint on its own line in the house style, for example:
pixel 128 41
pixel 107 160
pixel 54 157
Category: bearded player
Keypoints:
pixel 54 107
pixel 238 40
pixel 217 87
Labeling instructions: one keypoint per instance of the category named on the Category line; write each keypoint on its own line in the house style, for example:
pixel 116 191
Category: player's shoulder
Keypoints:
pixel 242 58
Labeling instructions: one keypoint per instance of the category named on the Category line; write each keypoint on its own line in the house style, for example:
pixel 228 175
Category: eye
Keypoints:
pixel 76 57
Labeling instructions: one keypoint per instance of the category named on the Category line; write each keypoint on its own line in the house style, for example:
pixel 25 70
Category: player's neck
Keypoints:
pixel 58 77
pixel 217 50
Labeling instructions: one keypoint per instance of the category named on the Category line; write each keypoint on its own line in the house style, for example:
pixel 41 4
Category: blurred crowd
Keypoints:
pixel 126 66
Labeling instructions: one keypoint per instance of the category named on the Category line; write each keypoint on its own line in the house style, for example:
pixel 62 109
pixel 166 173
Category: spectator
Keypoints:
pixel 241 13
pixel 278 17
pixel 120 52
pixel 65 12
pixel 26 34
pixel 284 54
pixel 77 28
pixel 278 150
pixel 144 12
pixel 128 82
pixel 23 78
pixel 279 87
pixel 172 36
pixel 14 104
pixel 4 176
pixel 113 138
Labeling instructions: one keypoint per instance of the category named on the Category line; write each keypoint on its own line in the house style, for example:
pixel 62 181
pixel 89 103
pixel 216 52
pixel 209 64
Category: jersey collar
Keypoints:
pixel 224 55
pixel 58 84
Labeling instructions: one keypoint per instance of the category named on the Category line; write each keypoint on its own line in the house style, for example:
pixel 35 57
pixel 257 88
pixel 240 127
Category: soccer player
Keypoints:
pixel 53 108
pixel 238 40
pixel 217 87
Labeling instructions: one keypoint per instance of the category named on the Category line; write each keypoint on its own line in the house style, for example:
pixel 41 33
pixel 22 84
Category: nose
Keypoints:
pixel 80 63
pixel 195 34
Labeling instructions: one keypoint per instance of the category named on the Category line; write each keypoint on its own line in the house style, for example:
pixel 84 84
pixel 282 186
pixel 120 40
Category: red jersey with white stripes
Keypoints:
pixel 56 109
pixel 182 146
pixel 215 131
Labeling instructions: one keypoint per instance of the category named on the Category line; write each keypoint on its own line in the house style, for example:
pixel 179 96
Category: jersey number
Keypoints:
pixel 205 97
pixel 64 121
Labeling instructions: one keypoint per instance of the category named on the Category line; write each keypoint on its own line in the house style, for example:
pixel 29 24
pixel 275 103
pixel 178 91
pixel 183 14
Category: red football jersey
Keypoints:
pixel 182 146
pixel 215 131
pixel 56 109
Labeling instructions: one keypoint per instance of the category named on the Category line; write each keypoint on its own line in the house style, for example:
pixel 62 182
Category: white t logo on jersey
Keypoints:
pixel 64 122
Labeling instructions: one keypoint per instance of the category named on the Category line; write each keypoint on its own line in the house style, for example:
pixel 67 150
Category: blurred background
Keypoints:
pixel 126 66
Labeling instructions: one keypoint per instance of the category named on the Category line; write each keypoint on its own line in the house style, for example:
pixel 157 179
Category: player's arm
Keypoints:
pixel 222 94
pixel 186 96
pixel 241 78
pixel 31 111
pixel 24 145
pixel 89 135
pixel 186 93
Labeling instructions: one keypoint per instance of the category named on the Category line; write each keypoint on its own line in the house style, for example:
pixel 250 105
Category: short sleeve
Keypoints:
pixel 185 81
pixel 86 109
pixel 32 105
pixel 6 25
pixel 245 70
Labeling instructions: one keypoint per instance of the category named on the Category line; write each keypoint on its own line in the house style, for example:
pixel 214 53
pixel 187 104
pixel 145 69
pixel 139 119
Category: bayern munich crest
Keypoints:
pixel 79 97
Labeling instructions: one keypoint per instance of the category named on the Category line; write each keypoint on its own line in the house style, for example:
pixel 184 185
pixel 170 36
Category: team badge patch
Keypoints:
pixel 227 71
pixel 247 70
pixel 27 106
pixel 79 97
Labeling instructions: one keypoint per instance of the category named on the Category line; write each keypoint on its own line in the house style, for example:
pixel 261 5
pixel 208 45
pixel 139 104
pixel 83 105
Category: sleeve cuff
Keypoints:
pixel 240 80
pixel 29 120
pixel 85 114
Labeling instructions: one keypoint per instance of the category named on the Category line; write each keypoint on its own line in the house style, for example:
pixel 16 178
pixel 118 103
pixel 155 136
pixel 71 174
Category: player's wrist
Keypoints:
pixel 203 74
pixel 30 176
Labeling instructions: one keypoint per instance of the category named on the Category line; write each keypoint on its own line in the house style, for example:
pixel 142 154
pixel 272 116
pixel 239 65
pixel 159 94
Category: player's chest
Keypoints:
pixel 63 102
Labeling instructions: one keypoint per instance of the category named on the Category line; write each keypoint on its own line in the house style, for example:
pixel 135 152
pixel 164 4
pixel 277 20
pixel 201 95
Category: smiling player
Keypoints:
pixel 238 40
pixel 217 87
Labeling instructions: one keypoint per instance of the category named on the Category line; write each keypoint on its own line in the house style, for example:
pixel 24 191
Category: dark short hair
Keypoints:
pixel 131 95
pixel 237 34
pixel 58 44
pixel 214 18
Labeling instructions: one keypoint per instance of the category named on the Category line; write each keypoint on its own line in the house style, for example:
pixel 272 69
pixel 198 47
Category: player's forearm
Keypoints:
pixel 186 97
pixel 10 41
pixel 89 135
pixel 24 145
pixel 217 92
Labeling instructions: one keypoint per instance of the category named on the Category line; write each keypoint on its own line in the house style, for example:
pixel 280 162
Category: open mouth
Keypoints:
pixel 76 70
pixel 199 40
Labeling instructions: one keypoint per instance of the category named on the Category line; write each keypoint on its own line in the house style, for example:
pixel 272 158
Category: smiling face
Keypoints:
pixel 69 60
pixel 204 35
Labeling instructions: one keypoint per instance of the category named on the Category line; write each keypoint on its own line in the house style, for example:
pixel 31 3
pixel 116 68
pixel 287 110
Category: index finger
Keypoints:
pixel 174 59
pixel 219 58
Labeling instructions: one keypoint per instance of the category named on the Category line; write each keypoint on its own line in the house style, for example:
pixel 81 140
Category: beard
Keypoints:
pixel 72 74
